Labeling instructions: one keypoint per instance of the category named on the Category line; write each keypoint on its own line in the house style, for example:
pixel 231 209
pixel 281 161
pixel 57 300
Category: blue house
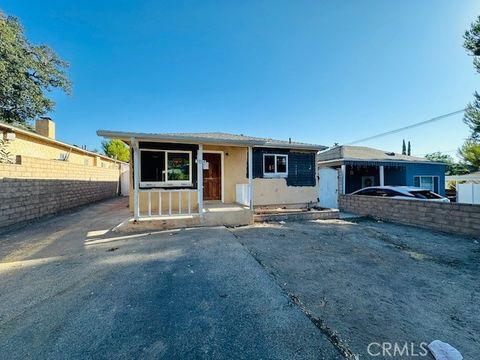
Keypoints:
pixel 356 167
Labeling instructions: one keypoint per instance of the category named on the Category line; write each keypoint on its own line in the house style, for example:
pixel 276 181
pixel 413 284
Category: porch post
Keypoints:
pixel 250 177
pixel 382 175
pixel 344 175
pixel 136 175
pixel 200 178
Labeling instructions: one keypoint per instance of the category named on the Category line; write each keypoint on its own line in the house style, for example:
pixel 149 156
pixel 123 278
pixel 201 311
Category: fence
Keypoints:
pixel 468 193
pixel 449 217
pixel 33 187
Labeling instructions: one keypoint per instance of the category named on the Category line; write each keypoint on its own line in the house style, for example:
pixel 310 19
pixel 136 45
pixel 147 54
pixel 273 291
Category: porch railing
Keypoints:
pixel 170 210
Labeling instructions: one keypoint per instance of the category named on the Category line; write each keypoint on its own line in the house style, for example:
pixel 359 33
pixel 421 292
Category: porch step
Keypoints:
pixel 298 216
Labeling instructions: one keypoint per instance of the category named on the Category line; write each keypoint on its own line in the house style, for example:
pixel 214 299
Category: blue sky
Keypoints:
pixel 315 71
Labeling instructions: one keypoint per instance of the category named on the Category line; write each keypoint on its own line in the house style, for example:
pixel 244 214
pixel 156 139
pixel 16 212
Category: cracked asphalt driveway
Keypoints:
pixel 374 282
pixel 70 288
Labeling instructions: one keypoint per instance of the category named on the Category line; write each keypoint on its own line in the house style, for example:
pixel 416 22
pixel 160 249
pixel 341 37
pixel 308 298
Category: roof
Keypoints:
pixel 53 141
pixel 209 138
pixel 346 153
pixel 475 176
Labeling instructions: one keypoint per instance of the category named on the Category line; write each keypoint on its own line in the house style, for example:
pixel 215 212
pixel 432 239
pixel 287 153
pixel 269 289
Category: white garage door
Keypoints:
pixel 328 188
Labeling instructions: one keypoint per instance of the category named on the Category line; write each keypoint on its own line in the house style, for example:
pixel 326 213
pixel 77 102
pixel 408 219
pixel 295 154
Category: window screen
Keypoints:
pixel 281 164
pixel 178 166
pixel 152 166
pixel 269 164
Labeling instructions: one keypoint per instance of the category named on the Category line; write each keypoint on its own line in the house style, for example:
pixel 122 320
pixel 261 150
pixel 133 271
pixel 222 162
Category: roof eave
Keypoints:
pixel 126 136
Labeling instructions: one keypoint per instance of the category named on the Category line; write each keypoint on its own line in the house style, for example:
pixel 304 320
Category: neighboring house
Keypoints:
pixel 345 169
pixel 472 178
pixel 41 144
pixel 208 177
pixel 42 176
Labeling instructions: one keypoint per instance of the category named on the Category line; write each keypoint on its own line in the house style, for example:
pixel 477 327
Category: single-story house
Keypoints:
pixel 41 143
pixel 345 169
pixel 216 178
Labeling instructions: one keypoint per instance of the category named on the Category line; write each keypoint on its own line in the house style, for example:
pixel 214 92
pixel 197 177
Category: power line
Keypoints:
pixel 436 118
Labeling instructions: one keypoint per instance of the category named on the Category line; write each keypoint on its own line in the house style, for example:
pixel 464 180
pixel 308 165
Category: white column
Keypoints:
pixel 250 176
pixel 136 177
pixel 382 175
pixel 200 178
pixel 344 175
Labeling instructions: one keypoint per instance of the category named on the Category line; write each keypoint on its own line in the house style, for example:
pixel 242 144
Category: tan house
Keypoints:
pixel 216 178
pixel 42 176
pixel 42 144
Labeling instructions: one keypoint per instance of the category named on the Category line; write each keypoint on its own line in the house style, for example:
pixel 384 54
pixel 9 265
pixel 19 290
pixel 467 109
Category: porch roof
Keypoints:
pixel 209 138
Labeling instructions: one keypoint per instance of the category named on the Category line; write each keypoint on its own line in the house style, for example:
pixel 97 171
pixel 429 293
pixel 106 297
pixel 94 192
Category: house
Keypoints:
pixel 216 178
pixel 345 169
pixel 40 175
pixel 41 143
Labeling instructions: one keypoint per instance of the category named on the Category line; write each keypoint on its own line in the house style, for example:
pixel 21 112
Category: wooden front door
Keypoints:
pixel 212 176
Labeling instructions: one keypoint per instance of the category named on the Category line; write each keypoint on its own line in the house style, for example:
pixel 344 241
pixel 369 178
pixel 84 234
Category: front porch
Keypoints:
pixel 185 184
pixel 356 176
pixel 213 214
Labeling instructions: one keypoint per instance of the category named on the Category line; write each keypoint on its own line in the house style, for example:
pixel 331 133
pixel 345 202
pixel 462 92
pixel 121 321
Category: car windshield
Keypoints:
pixel 425 194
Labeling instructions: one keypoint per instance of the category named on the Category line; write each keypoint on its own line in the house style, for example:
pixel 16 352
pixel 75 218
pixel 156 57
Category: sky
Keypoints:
pixel 314 71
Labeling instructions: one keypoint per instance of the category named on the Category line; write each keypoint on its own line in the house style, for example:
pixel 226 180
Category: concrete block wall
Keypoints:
pixel 34 187
pixel 449 217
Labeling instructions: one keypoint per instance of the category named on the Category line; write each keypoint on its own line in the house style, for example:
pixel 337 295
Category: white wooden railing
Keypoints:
pixel 167 193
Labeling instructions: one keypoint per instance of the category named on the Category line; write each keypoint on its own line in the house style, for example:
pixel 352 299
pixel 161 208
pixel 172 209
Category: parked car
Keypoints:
pixel 401 192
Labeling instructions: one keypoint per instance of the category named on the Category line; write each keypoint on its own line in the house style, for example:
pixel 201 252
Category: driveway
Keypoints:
pixel 70 288
pixel 373 282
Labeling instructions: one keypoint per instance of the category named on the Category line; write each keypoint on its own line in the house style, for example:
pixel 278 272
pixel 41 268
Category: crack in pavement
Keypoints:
pixel 331 335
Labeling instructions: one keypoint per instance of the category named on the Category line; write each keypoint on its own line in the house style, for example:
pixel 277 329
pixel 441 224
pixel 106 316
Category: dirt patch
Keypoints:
pixel 372 281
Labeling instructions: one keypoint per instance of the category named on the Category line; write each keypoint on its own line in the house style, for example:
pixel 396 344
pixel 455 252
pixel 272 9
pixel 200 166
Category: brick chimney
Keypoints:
pixel 46 127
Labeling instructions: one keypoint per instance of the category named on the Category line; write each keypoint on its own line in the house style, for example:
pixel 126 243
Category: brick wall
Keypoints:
pixel 33 187
pixel 449 217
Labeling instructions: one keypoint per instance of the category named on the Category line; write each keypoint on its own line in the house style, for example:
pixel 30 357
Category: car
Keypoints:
pixel 402 192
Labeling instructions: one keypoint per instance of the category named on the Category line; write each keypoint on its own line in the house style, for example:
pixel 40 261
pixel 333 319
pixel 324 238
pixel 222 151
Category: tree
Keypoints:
pixel 453 168
pixel 116 149
pixel 472 45
pixel 27 72
pixel 470 152
pixel 404 149
pixel 409 149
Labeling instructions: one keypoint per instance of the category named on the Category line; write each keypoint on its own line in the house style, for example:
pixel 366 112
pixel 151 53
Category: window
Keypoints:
pixel 275 165
pixel 165 168
pixel 426 182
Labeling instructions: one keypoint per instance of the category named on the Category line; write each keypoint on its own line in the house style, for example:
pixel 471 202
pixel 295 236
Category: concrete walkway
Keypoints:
pixel 71 289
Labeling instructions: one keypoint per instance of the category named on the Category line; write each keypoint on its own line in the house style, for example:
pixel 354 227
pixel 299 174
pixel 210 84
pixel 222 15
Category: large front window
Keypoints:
pixel 427 182
pixel 275 165
pixel 165 168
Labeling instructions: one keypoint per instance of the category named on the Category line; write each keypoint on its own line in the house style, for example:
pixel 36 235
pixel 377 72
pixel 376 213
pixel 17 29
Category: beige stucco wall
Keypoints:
pixel 276 192
pixel 31 146
pixel 235 171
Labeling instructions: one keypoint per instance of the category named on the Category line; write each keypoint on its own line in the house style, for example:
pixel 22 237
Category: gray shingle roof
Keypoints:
pixel 346 152
pixel 211 137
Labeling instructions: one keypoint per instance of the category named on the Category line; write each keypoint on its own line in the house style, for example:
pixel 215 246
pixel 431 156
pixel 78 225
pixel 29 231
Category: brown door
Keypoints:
pixel 212 177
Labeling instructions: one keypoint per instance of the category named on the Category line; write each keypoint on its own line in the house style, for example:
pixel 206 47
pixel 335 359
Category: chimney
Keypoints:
pixel 46 127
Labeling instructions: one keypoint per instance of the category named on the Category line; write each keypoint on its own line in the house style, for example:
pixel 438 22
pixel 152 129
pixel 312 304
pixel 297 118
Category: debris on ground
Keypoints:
pixel 112 249
pixel 444 351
